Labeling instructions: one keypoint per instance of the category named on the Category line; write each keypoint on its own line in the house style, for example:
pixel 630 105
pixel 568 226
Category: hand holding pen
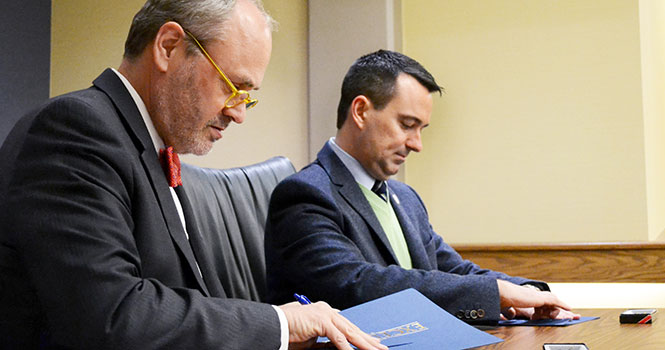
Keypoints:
pixel 303 300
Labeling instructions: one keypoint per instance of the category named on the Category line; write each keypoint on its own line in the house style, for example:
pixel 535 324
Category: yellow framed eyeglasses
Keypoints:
pixel 237 96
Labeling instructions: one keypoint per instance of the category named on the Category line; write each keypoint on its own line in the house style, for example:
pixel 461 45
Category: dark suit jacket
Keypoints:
pixel 324 240
pixel 92 251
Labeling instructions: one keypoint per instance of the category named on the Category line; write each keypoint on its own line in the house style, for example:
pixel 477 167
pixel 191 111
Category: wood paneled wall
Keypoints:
pixel 575 262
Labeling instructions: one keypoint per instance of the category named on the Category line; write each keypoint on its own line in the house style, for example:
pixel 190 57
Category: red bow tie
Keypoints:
pixel 171 166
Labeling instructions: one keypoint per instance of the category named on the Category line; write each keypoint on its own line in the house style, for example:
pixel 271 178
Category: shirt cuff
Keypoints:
pixel 284 327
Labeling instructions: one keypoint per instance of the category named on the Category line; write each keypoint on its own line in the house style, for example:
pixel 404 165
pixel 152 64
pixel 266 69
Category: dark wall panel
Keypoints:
pixel 25 32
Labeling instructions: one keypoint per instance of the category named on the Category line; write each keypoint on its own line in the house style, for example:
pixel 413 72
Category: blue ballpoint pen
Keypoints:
pixel 303 300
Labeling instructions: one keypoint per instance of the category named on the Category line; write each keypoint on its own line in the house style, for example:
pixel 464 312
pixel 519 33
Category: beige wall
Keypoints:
pixel 88 36
pixel 652 32
pixel 335 42
pixel 540 136
pixel 551 128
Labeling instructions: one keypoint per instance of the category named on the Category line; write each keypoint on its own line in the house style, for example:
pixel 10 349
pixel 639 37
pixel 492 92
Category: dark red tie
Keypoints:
pixel 171 166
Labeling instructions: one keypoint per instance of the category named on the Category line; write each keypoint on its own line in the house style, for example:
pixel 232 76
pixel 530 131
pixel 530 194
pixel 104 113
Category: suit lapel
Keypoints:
pixel 170 213
pixel 419 258
pixel 109 82
pixel 198 246
pixel 348 189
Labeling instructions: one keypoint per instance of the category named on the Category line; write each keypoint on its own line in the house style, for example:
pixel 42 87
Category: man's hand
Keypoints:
pixel 525 302
pixel 307 322
pixel 537 313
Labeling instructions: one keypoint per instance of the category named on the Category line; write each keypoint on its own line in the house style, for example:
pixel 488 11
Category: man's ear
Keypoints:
pixel 360 106
pixel 168 38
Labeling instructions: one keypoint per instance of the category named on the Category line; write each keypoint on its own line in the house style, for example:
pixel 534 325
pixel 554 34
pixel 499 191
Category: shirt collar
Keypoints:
pixel 154 136
pixel 357 171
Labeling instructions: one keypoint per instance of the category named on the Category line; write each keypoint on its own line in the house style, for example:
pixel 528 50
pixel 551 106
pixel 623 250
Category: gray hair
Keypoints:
pixel 204 18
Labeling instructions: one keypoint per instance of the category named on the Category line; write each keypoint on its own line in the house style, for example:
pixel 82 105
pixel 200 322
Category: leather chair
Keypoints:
pixel 231 208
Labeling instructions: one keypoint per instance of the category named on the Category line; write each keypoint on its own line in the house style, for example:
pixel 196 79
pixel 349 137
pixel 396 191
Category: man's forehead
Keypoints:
pixel 412 99
pixel 243 54
pixel 243 64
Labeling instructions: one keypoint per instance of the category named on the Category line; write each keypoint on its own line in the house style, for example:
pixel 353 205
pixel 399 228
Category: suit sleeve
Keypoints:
pixel 312 247
pixel 70 212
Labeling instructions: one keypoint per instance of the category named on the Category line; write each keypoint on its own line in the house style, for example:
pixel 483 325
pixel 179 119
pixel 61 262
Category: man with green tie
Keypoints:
pixel 342 231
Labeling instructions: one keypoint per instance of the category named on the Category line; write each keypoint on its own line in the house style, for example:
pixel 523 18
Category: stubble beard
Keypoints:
pixel 178 108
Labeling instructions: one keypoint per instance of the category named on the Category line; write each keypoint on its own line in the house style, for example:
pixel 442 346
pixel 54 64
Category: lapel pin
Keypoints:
pixel 395 198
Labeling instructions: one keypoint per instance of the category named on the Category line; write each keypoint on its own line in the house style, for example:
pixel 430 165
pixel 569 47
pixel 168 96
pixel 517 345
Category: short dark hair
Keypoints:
pixel 374 76
pixel 203 18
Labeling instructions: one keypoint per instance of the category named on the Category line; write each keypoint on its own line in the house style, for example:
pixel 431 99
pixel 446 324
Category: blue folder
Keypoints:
pixel 546 322
pixel 407 320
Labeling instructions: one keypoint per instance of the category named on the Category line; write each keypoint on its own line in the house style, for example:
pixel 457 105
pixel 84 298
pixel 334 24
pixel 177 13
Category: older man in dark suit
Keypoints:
pixel 97 250
pixel 341 231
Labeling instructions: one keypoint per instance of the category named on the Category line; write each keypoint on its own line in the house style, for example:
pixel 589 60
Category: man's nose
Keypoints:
pixel 414 142
pixel 237 113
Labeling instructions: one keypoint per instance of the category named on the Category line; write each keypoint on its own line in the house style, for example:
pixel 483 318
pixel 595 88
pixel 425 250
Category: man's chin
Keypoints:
pixel 203 152
pixel 200 149
pixel 387 174
pixel 394 169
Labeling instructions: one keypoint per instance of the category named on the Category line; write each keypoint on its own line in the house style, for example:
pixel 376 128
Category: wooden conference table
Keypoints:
pixel 603 333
